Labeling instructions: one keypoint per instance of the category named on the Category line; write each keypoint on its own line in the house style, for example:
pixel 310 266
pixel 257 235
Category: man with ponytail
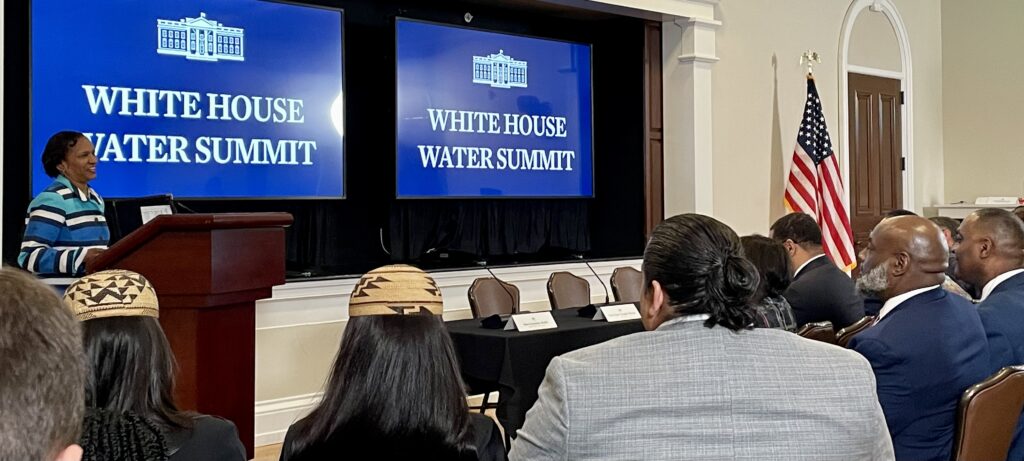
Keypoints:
pixel 701 383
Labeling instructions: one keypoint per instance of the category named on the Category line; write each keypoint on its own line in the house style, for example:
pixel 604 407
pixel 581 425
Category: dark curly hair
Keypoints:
pixel 57 148
pixel 772 263
pixel 700 264
pixel 114 436
pixel 799 227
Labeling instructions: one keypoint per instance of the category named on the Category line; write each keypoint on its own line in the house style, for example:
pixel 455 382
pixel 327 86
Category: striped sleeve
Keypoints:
pixel 40 253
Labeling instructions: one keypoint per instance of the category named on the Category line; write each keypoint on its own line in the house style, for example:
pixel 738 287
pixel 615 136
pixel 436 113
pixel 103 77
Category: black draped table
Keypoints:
pixel 514 362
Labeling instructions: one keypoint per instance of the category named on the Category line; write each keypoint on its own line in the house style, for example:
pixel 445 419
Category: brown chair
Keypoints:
pixel 987 416
pixel 818 331
pixel 489 296
pixel 844 336
pixel 566 290
pixel 627 284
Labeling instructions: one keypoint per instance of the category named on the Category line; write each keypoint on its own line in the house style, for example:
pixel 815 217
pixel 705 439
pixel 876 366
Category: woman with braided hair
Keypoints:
pixel 113 436
pixel 131 366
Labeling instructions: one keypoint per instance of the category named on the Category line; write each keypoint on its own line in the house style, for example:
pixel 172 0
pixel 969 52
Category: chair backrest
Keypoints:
pixel 988 414
pixel 844 336
pixel 566 290
pixel 627 284
pixel 489 296
pixel 818 331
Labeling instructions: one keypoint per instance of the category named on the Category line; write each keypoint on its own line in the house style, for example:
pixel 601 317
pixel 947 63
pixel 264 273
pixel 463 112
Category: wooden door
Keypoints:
pixel 654 191
pixel 876 152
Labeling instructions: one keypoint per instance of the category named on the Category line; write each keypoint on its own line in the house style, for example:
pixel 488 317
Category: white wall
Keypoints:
pixel 873 42
pixel 759 92
pixel 984 98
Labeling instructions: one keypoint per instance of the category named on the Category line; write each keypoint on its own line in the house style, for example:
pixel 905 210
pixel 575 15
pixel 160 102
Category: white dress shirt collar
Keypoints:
pixel 992 284
pixel 895 301
pixel 802 266
pixel 684 319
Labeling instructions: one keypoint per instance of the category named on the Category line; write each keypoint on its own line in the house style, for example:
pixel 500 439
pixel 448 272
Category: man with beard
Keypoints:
pixel 951 232
pixel 991 256
pixel 927 345
pixel 819 291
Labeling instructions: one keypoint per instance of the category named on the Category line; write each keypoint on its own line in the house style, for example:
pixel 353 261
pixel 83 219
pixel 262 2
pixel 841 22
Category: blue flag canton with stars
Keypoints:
pixel 813 137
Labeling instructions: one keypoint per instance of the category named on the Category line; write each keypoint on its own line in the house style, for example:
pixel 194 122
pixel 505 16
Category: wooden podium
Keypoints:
pixel 208 271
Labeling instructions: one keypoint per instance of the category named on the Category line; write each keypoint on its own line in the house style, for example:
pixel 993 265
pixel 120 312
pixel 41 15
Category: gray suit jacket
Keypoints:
pixel 685 391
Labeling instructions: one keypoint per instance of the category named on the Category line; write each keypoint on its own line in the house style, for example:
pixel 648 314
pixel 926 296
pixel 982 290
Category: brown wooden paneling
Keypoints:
pixel 876 152
pixel 654 176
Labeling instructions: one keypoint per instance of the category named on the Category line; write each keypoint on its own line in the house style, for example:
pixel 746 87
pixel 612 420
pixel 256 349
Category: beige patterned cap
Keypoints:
pixel 112 293
pixel 395 290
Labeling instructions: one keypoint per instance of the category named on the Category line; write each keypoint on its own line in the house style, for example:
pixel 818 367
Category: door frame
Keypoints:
pixel 906 85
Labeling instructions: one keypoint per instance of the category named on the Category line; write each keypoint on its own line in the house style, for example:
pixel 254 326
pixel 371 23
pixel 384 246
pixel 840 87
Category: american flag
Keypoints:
pixel 814 185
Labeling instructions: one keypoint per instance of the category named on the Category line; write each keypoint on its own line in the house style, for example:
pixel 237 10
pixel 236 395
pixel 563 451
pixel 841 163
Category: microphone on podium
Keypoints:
pixel 178 206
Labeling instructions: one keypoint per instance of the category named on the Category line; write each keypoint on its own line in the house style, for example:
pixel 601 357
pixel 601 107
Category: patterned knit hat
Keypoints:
pixel 395 290
pixel 112 293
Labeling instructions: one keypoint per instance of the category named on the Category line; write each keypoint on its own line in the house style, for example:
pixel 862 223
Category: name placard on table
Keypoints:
pixel 617 312
pixel 531 322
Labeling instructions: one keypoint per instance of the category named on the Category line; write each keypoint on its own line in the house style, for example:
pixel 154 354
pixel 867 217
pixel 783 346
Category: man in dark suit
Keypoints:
pixel 820 291
pixel 927 345
pixel 951 231
pixel 991 256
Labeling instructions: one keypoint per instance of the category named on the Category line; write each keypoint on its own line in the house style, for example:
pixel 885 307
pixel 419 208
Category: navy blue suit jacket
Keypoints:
pixel 1002 314
pixel 925 353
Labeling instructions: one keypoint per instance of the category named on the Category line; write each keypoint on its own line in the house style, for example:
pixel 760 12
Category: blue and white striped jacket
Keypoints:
pixel 63 223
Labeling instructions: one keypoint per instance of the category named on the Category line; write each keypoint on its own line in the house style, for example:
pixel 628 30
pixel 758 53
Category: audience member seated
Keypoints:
pixel 395 391
pixel 873 306
pixel 132 366
pixel 1019 212
pixel 112 436
pixel 42 373
pixel 820 291
pixel 945 224
pixel 898 212
pixel 771 310
pixel 927 346
pixel 951 231
pixel 991 256
pixel 701 384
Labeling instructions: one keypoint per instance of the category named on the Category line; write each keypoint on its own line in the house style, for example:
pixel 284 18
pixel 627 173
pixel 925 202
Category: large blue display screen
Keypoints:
pixel 197 98
pixel 484 114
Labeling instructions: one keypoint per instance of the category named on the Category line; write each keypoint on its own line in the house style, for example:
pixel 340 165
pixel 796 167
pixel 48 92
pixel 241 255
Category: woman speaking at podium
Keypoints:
pixel 66 227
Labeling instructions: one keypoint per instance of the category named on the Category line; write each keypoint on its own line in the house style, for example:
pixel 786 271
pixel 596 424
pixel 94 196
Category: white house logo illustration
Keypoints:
pixel 499 71
pixel 200 39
